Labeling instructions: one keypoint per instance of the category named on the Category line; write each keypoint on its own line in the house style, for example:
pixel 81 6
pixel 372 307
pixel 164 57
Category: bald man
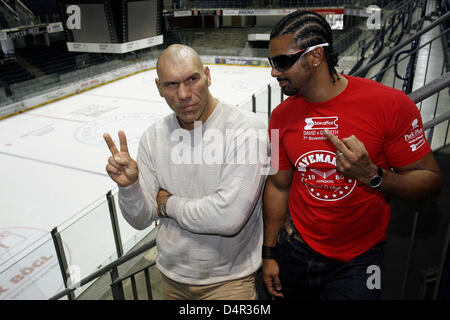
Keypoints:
pixel 189 175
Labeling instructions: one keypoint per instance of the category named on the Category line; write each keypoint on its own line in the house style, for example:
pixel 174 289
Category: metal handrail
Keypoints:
pixel 433 123
pixel 430 88
pixel 427 91
pixel 385 68
pixel 150 264
pixel 106 269
pixel 401 45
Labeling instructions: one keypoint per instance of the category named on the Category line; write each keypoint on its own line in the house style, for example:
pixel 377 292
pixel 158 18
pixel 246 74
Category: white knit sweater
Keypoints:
pixel 214 228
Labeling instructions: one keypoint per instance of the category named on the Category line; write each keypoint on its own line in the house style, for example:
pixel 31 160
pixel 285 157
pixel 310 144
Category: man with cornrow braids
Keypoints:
pixel 346 145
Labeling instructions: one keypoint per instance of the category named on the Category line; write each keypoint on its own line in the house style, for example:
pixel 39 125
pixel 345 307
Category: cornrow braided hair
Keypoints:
pixel 309 28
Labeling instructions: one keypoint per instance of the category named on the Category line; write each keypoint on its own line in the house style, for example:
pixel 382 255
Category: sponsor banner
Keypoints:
pixel 242 61
pixel 365 12
pixel 208 59
pixel 245 12
pixel 196 12
pixel 258 37
pixel 204 13
pixel 276 12
pixel 55 27
pixel 115 47
pixel 334 16
pixel 182 13
pixel 326 11
pixel 14 34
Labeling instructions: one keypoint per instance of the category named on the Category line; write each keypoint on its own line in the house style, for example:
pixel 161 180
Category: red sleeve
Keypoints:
pixel 405 140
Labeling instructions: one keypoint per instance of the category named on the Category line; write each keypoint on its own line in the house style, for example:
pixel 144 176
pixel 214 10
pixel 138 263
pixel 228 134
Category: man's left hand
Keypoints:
pixel 352 158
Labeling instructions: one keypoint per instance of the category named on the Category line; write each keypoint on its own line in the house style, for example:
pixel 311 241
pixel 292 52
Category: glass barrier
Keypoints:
pixel 262 104
pixel 129 236
pixel 89 240
pixel 276 99
pixel 246 105
pixel 34 273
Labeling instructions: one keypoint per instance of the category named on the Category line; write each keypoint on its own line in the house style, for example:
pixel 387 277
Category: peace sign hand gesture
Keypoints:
pixel 121 167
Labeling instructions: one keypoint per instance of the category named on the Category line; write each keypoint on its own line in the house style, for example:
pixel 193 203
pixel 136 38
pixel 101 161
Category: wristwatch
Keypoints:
pixel 162 206
pixel 376 181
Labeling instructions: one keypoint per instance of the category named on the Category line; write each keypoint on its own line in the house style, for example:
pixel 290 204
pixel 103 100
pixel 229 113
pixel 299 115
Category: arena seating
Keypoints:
pixel 11 72
pixel 42 7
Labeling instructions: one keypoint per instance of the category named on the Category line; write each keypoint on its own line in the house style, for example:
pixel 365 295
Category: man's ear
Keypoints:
pixel 158 85
pixel 208 75
pixel 317 56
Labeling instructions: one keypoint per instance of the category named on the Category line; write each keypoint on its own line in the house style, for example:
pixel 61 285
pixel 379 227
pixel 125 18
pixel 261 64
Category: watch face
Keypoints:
pixel 375 182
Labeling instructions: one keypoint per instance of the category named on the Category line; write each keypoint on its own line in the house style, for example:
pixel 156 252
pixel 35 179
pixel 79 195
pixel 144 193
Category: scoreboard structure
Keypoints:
pixel 111 26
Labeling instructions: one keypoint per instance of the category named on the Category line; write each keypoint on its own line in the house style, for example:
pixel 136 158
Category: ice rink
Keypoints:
pixel 53 170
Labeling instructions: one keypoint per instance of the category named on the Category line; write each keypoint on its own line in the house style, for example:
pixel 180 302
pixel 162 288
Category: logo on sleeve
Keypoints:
pixel 320 177
pixel 416 137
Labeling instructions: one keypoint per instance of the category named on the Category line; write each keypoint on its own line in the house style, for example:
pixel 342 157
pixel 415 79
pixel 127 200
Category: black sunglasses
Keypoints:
pixel 285 61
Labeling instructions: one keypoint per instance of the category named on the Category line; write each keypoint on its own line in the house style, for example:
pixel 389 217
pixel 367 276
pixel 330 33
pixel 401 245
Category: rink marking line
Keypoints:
pixel 54 164
pixel 31 132
pixel 124 98
pixel 56 118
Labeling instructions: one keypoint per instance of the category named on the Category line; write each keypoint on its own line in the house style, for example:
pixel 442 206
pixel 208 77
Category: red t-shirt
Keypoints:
pixel 338 216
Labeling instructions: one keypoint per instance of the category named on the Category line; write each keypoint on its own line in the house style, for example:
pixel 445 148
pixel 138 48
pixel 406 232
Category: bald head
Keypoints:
pixel 175 55
pixel 184 83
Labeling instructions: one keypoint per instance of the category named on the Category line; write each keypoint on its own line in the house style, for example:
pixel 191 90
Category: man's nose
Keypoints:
pixel 184 92
pixel 275 72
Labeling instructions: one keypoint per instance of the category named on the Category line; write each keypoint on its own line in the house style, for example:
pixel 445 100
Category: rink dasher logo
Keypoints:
pixel 321 178
pixel 34 275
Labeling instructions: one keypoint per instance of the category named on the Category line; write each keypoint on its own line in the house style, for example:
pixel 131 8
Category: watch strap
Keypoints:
pixel 376 181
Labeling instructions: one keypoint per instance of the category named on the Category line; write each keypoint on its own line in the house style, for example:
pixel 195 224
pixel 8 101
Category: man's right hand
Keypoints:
pixel 121 167
pixel 271 277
